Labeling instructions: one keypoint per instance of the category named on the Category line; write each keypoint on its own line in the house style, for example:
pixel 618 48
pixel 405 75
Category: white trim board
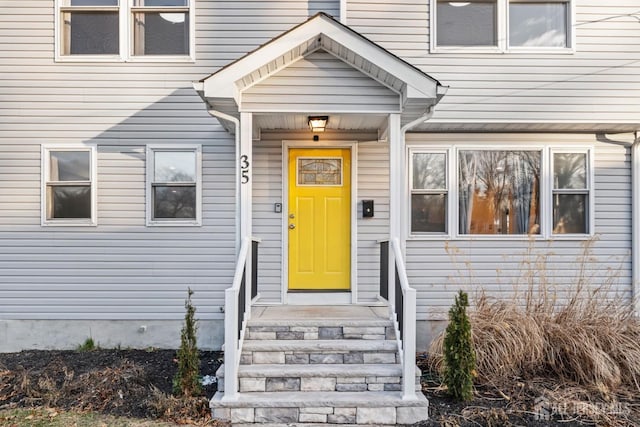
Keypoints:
pixel 353 146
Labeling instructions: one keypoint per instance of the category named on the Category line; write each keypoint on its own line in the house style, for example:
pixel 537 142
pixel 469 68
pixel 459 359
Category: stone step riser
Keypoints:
pixel 318 357
pixel 323 415
pixel 320 332
pixel 324 383
pixel 328 383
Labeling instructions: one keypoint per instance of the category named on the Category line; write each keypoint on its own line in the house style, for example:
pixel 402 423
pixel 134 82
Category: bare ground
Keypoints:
pixel 138 384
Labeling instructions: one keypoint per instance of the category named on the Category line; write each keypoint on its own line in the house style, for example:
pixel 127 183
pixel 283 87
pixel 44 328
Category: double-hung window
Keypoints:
pixel 429 192
pixel 571 189
pixel 174 185
pixel 69 186
pixel 545 192
pixel 160 27
pixel 89 27
pixel 501 25
pixel 124 29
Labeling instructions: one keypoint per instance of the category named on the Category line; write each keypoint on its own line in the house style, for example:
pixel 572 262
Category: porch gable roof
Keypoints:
pixel 223 89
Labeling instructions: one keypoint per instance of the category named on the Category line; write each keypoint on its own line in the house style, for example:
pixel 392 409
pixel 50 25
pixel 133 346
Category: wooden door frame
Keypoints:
pixel 353 148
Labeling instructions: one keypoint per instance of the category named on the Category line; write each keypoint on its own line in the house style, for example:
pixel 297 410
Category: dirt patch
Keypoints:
pixel 133 383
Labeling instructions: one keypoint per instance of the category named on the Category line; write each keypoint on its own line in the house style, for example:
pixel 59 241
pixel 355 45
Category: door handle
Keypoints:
pixel 292 226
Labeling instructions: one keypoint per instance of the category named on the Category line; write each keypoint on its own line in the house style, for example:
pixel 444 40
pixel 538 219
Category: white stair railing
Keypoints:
pixel 394 287
pixel 237 310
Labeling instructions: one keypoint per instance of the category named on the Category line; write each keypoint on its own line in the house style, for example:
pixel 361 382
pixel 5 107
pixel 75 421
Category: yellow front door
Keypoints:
pixel 319 218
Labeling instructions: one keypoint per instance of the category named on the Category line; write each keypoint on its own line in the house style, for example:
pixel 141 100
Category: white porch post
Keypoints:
pixel 244 177
pixel 396 161
pixel 245 173
pixel 397 202
pixel 635 226
pixel 246 195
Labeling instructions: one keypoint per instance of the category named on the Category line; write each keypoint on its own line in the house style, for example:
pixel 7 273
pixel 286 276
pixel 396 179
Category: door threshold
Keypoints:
pixel 319 298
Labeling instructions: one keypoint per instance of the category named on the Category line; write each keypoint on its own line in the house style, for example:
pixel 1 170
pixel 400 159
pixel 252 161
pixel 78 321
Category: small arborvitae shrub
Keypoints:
pixel 459 354
pixel 187 379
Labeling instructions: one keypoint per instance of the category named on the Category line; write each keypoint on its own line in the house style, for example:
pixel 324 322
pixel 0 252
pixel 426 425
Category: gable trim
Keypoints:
pixel 223 82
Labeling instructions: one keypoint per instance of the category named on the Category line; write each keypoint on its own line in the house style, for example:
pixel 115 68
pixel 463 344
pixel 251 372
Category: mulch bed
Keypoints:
pixel 532 402
pixel 138 383
pixel 134 383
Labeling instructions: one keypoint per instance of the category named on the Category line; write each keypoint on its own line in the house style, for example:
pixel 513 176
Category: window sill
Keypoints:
pixel 69 223
pixel 173 223
pixel 162 58
pixel 465 49
pixel 89 58
pixel 501 238
pixel 577 237
pixel 119 59
pixel 496 50
pixel 429 237
pixel 541 50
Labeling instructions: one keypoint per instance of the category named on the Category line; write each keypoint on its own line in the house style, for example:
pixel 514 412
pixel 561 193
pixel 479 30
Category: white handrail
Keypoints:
pixel 233 344
pixel 408 349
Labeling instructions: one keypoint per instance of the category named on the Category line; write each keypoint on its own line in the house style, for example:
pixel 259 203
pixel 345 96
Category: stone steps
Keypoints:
pixel 361 408
pixel 317 366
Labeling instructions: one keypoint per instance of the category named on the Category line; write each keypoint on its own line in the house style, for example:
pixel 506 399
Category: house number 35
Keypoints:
pixel 244 168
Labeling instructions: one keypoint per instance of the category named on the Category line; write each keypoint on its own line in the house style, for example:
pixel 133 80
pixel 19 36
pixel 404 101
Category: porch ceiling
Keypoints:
pixel 223 90
pixel 347 122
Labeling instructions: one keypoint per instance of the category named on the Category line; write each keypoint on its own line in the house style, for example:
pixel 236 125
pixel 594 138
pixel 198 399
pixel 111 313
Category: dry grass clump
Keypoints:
pixel 591 339
pixel 182 410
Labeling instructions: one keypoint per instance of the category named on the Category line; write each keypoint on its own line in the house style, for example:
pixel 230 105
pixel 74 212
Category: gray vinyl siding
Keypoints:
pixel 600 82
pixel 120 269
pixel 267 224
pixel 320 83
pixel 373 184
pixel 438 268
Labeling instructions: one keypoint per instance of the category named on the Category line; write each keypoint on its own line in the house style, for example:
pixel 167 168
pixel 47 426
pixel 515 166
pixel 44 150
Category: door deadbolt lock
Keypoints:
pixel 292 226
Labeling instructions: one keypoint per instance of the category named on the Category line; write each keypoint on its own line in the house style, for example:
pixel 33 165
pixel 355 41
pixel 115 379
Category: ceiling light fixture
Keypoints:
pixel 318 123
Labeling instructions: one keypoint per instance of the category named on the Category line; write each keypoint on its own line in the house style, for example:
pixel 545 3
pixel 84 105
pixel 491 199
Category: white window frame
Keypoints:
pixel 502 29
pixel 173 222
pixel 589 191
pixel 45 168
pixel 546 192
pixel 411 191
pixel 126 10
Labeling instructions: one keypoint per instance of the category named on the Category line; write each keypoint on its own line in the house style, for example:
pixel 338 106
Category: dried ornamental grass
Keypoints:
pixel 591 339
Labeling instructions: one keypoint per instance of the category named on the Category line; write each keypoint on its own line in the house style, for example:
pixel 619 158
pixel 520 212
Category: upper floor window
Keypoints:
pixel 467 23
pixel 124 29
pixel 499 25
pixel 173 185
pixel 69 186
